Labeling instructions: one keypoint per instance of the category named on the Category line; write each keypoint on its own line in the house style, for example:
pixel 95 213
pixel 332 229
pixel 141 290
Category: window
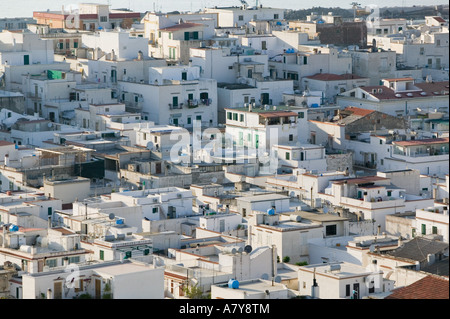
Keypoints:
pixel 102 255
pixel 198 117
pixel 75 259
pixel 301 115
pixel 241 18
pixel 241 117
pixel 184 76
pixel 291 137
pixel 347 290
pixel 75 44
pixel 434 230
pixel 235 116
pixel 264 45
pixel 170 35
pixel 331 230
pixel 49 211
pixel 51 263
pixel 288 155
pixel 229 115
pixel 175 100
pixel 103 19
pixel 276 16
pixel 381 142
pixel 155 210
pixel 424 229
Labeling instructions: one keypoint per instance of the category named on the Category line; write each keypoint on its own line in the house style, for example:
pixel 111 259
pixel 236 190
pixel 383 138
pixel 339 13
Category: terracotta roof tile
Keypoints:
pixel 430 287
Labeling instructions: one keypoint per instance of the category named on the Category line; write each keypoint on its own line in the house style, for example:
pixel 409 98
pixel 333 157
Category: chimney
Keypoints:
pixel 379 230
pixel 49 222
pixel 6 159
pixel 400 241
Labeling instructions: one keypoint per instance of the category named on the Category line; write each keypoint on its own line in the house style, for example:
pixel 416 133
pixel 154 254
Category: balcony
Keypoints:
pixel 191 104
pixel 176 107
pixel 206 102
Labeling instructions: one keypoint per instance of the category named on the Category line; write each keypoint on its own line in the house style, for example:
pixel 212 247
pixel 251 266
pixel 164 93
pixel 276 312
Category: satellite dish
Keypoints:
pixel 49 124
pixel 111 216
pixel 150 146
pixel 277 279
pixel 265 277
pixel 248 249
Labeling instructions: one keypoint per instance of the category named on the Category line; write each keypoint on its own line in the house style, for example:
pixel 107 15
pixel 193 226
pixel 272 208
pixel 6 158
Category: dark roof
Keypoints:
pixel 440 267
pixel 418 249
pixel 430 287
pixel 182 26
pixel 333 77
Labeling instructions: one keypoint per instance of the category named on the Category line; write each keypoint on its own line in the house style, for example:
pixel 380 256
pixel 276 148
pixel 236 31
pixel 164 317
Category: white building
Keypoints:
pixel 373 197
pixel 118 44
pixel 261 93
pixel 251 289
pixel 305 156
pixel 289 235
pixel 173 96
pixel 332 84
pixel 160 203
pixel 240 16
pixel 400 96
pixel 432 221
pixel 115 280
pixel 261 128
pixel 309 61
pixel 342 281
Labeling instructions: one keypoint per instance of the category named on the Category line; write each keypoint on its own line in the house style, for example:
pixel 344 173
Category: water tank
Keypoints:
pixel 271 211
pixel 120 236
pixel 230 250
pixel 233 284
pixel 13 228
pixel 25 248
pixel 296 218
pixel 119 222
pixel 110 238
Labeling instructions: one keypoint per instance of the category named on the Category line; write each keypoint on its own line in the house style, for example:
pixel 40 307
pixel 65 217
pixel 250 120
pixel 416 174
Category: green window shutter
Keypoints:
pixel 189 120
pixel 75 45
pixel 435 230
pixel 102 255
pixel 424 229
pixel 301 115
pixel 49 211
pixel 288 155
pixel 127 254
pixel 198 117
pixel 229 115
pixel 195 35
pixel 241 118
pixel 186 36
pixel 146 251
